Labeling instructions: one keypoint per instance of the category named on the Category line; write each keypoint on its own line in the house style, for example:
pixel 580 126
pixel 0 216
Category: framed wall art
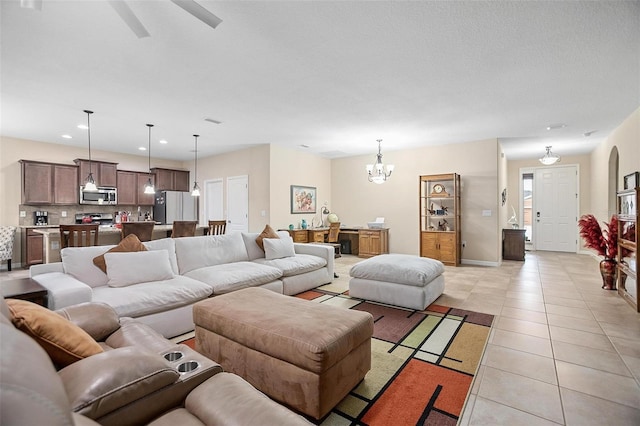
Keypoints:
pixel 303 199
pixel 630 181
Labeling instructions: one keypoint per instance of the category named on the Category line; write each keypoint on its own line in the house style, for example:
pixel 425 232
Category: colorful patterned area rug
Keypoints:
pixel 423 364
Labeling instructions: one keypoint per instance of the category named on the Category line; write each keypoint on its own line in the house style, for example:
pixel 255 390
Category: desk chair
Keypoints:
pixel 78 235
pixel 7 236
pixel 217 227
pixel 332 240
pixel 142 230
pixel 184 228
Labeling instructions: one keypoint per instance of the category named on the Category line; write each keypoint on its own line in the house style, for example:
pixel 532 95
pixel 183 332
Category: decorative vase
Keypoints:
pixel 609 273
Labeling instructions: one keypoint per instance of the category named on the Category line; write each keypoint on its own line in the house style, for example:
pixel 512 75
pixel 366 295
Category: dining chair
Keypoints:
pixel 217 227
pixel 142 230
pixel 7 236
pixel 78 235
pixel 184 228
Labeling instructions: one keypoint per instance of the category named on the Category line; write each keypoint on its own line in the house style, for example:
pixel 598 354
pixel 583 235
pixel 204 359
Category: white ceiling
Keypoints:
pixel 334 76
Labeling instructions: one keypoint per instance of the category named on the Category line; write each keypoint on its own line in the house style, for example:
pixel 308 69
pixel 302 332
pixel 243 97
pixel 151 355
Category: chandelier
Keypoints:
pixel 549 158
pixel 378 172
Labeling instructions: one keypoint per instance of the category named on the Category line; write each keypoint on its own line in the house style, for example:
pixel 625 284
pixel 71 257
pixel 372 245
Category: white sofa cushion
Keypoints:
pixel 278 248
pixel 234 276
pixel 78 262
pixel 199 252
pixel 299 264
pixel 125 269
pixel 151 297
pixel 167 244
pixel 253 250
pixel 63 289
pixel 398 268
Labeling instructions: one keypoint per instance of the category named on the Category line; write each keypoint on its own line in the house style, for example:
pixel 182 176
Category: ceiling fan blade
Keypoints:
pixel 129 18
pixel 199 12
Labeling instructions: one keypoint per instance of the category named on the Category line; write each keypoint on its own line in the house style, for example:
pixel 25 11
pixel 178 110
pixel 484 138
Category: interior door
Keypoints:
pixel 238 204
pixel 556 209
pixel 213 200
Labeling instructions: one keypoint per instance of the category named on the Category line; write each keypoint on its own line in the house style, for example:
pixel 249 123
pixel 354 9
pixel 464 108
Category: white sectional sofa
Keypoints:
pixel 159 288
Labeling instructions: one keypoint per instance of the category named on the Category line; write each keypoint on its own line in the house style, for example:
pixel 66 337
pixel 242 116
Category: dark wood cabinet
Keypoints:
pixel 104 173
pixel 25 289
pixel 513 244
pixel 131 189
pixel 37 182
pixel 49 183
pixel 171 180
pixel 65 184
pixel 32 248
pixel 127 191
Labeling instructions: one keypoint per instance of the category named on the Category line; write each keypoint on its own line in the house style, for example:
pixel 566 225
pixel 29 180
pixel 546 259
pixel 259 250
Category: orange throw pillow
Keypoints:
pixel 267 232
pixel 129 243
pixel 64 342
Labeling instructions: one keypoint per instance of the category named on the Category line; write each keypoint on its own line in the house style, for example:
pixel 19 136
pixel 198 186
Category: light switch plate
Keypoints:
pixel 63 213
pixel 486 212
pixel 23 213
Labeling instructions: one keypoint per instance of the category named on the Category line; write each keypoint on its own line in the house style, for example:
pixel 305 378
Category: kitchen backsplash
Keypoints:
pixel 55 212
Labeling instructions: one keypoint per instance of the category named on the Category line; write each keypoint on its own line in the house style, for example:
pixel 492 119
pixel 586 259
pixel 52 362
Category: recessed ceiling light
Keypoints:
pixel 556 126
pixel 67 136
pixel 163 141
pixel 304 146
pixel 82 126
pixel 142 148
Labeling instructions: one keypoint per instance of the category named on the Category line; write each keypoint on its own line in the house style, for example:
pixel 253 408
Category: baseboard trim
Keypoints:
pixel 479 262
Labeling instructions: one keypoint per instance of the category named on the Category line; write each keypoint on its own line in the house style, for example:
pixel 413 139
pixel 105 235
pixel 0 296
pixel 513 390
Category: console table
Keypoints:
pixel 364 242
pixel 513 244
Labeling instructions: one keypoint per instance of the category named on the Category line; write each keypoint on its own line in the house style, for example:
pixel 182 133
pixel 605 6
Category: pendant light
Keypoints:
pixel 148 187
pixel 377 172
pixel 196 188
pixel 89 182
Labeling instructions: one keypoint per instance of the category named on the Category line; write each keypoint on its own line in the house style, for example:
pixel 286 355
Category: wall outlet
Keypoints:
pixel 55 245
pixel 23 213
pixel 263 213
pixel 63 213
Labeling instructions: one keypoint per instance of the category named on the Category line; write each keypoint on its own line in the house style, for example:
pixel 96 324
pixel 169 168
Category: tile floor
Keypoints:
pixel 562 350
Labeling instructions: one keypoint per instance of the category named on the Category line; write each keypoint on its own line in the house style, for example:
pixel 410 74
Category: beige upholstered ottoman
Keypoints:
pixel 398 279
pixel 304 354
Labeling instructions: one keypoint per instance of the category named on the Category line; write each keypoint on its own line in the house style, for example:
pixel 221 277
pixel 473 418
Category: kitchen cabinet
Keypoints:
pixel 131 189
pixel 372 242
pixel 171 180
pixel 627 261
pixel 440 228
pixel 104 173
pixel 32 247
pixel 513 244
pixel 48 183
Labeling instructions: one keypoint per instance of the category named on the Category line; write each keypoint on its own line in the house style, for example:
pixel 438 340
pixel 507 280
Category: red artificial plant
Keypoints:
pixel 604 242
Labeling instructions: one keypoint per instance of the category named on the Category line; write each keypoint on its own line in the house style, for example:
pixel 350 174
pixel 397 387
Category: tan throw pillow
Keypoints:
pixel 64 341
pixel 267 232
pixel 129 243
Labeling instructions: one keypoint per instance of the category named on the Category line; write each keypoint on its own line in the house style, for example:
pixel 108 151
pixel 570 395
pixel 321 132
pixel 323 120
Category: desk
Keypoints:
pixel 364 242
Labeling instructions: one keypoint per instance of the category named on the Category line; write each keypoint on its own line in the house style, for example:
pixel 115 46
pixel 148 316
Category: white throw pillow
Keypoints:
pixel 125 269
pixel 277 248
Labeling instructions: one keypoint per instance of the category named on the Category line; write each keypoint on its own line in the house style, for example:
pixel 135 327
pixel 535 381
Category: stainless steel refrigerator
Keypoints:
pixel 175 205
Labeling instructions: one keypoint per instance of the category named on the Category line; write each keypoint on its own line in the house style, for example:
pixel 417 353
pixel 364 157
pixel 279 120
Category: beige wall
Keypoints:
pixel 296 167
pixel 626 138
pixel 357 201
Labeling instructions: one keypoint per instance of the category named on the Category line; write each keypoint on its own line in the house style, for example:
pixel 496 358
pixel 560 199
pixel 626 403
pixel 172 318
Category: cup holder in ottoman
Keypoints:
pixel 188 366
pixel 173 356
pixel 398 279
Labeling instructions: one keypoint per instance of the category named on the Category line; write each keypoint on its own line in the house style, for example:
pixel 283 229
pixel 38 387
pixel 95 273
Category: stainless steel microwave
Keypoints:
pixel 102 196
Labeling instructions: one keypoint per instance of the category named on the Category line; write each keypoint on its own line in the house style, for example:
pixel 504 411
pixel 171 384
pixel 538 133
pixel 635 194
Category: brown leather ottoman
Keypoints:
pixel 301 353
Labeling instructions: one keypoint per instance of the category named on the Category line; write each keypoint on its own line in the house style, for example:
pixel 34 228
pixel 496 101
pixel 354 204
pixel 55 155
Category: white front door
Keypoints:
pixel 238 204
pixel 556 209
pixel 213 200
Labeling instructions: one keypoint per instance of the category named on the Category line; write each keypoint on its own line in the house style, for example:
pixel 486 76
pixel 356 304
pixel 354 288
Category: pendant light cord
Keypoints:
pixel 196 159
pixel 149 149
pixel 89 138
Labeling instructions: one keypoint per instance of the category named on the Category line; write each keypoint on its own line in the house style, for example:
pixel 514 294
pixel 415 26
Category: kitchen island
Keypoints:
pixel 107 235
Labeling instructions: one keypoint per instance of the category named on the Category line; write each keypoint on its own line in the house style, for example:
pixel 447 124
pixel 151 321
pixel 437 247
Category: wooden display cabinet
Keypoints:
pixel 628 247
pixel 440 218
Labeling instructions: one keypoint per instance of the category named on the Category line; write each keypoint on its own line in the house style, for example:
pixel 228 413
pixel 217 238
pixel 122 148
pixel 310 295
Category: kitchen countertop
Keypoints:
pixel 107 229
